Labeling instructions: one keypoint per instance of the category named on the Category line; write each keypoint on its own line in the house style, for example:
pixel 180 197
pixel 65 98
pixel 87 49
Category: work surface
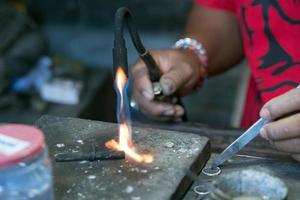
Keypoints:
pixel 174 154
pixel 258 154
pixel 287 171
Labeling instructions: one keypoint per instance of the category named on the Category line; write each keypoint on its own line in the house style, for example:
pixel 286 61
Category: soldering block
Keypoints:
pixel 175 154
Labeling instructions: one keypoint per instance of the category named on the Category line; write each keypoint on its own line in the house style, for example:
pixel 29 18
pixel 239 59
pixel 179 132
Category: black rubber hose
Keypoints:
pixel 123 15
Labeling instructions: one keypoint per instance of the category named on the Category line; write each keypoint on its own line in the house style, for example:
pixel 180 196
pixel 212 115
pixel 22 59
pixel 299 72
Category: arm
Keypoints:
pixel 181 69
pixel 220 34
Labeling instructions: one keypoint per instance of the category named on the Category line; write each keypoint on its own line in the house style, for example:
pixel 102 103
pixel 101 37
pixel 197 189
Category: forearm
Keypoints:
pixel 219 32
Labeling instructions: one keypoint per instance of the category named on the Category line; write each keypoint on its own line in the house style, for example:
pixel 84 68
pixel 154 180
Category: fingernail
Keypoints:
pixel 263 133
pixel 265 113
pixel 167 86
pixel 148 95
pixel 179 111
pixel 169 112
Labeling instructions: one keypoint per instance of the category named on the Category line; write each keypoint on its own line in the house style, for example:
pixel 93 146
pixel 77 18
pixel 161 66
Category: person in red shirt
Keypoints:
pixel 218 35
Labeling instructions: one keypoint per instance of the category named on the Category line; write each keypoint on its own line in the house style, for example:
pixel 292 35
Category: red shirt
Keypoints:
pixel 271 37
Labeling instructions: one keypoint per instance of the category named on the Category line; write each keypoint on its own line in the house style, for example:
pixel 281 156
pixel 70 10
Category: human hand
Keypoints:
pixel 181 74
pixel 283 131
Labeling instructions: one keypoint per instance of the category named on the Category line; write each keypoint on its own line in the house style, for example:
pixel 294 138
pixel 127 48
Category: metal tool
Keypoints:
pixel 241 142
pixel 92 154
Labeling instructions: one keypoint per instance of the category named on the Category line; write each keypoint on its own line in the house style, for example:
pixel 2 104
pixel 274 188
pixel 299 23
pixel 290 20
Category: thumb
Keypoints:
pixel 174 79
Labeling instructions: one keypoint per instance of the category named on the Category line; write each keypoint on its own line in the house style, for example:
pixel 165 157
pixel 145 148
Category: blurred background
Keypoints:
pixel 55 58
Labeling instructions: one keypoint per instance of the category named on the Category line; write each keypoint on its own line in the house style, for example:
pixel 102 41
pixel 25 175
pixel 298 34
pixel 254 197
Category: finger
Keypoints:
pixel 163 118
pixel 166 119
pixel 154 108
pixel 296 157
pixel 281 105
pixel 286 128
pixel 179 119
pixel 289 146
pixel 179 111
pixel 141 81
pixel 175 78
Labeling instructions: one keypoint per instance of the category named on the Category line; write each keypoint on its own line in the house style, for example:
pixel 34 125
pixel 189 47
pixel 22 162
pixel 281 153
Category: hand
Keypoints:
pixel 284 129
pixel 181 73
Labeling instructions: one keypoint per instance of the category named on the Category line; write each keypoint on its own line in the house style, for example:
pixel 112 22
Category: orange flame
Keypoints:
pixel 121 80
pixel 125 141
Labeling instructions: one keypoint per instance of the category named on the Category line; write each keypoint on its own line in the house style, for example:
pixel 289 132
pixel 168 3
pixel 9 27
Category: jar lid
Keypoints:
pixel 19 143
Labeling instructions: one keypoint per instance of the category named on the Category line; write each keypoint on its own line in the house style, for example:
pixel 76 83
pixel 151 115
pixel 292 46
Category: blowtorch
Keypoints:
pixel 122 15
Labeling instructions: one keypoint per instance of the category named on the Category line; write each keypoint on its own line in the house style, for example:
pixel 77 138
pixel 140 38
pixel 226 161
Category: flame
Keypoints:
pixel 125 140
pixel 121 80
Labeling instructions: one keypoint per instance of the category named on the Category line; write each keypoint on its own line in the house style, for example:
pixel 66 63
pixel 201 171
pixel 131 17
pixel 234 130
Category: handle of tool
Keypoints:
pixel 153 70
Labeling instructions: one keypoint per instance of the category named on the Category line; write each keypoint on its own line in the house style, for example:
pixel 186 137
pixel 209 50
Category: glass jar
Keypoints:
pixel 25 169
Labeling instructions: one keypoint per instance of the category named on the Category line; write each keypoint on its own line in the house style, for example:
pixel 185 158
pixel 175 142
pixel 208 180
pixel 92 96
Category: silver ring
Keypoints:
pixel 202 189
pixel 208 171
